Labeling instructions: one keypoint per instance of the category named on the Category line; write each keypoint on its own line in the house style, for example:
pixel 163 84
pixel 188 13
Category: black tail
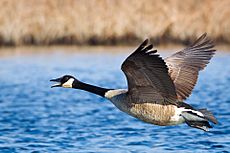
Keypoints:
pixel 195 119
pixel 203 125
pixel 208 115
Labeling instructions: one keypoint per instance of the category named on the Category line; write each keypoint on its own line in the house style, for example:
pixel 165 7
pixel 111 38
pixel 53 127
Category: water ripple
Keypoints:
pixel 36 118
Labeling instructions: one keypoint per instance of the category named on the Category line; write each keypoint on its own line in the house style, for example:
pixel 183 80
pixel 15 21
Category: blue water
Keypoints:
pixel 36 118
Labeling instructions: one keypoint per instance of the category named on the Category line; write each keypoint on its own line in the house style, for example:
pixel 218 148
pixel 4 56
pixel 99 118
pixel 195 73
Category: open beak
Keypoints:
pixel 58 84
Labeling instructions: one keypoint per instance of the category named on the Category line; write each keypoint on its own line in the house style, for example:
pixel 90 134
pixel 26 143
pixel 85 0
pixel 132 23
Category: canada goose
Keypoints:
pixel 157 88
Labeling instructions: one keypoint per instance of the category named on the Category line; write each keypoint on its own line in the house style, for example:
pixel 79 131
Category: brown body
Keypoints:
pixel 153 113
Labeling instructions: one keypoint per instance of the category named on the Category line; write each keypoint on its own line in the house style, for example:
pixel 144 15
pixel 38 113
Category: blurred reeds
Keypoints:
pixel 45 22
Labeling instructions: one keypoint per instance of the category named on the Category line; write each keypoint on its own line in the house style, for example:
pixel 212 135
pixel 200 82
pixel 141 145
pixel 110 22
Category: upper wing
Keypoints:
pixel 184 66
pixel 147 76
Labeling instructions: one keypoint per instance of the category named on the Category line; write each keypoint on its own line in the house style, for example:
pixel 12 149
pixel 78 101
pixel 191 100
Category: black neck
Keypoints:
pixel 90 88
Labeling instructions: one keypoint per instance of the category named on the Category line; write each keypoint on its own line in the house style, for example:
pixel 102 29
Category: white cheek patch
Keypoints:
pixel 68 84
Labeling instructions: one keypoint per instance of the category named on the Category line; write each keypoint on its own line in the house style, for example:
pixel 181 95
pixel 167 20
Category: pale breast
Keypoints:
pixel 148 112
pixel 153 113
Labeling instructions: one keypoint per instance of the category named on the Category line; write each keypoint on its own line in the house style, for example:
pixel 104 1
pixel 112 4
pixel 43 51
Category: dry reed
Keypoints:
pixel 111 21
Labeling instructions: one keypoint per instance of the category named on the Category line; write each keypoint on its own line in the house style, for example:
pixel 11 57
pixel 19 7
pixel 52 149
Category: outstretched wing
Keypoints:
pixel 147 76
pixel 184 66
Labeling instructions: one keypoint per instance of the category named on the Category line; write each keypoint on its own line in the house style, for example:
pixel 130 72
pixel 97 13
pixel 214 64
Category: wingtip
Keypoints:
pixel 149 47
pixel 145 42
pixel 203 40
pixel 142 45
pixel 203 35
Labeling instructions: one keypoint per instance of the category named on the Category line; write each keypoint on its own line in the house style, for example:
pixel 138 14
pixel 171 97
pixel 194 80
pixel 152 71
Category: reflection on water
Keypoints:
pixel 34 117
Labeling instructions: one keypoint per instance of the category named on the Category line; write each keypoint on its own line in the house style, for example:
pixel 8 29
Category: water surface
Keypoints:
pixel 36 118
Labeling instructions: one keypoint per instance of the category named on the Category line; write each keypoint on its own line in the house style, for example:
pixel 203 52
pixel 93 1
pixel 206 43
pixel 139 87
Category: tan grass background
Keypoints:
pixel 45 22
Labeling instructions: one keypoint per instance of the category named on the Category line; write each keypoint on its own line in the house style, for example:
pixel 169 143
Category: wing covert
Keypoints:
pixel 147 76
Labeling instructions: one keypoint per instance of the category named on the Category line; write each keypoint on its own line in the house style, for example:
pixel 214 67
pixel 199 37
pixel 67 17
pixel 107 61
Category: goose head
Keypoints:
pixel 65 81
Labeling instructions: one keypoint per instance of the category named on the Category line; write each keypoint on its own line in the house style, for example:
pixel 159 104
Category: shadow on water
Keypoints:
pixel 34 117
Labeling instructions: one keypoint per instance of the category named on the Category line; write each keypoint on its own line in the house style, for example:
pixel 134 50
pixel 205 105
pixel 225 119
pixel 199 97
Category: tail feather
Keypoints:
pixel 199 118
pixel 203 125
pixel 208 115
